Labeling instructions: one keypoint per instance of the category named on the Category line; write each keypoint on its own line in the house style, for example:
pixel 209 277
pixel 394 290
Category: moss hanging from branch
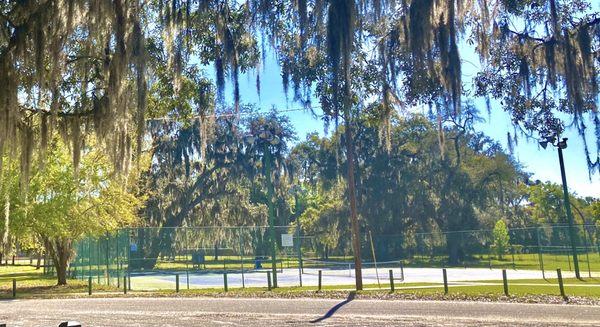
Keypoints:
pixel 72 62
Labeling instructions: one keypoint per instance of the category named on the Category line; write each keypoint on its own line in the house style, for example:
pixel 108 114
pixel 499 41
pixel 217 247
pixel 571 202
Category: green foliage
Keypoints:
pixel 547 205
pixel 64 204
pixel 323 218
pixel 501 239
pixel 98 66
pixel 410 189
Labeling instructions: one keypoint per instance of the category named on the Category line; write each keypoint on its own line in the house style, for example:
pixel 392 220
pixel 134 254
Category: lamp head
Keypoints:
pixel 563 144
pixel 544 144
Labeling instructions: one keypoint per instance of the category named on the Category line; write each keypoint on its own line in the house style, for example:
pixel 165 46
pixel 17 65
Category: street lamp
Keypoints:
pixel 268 139
pixel 561 145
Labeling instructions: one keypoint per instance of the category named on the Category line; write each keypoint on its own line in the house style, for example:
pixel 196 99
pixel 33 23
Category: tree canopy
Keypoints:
pixel 81 67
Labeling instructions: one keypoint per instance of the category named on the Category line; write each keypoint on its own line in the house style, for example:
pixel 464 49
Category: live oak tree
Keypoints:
pixel 406 192
pixel 217 178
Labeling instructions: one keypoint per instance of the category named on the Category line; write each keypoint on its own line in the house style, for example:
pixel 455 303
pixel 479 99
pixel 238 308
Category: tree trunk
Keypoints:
pixel 60 251
pixel 61 274
pixel 453 247
pixel 4 245
pixel 146 259
pixel 352 185
pixel 39 261
pixel 158 244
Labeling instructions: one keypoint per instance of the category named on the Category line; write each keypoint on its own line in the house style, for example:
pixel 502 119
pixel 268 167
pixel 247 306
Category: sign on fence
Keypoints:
pixel 287 240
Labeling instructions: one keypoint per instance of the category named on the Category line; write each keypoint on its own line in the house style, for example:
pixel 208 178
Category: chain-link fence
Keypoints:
pixel 197 257
pixel 185 250
pixel 540 248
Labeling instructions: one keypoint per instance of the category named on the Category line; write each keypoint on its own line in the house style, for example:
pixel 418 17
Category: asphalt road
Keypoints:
pixel 298 312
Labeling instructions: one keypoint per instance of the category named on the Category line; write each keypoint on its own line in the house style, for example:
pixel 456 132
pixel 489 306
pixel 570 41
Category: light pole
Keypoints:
pixel 561 145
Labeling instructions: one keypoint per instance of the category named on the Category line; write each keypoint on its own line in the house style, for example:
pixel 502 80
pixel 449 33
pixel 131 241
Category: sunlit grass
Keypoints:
pixel 31 282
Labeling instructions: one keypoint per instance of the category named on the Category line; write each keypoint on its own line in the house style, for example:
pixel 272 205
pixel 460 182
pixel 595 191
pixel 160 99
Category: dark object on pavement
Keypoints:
pixel 69 324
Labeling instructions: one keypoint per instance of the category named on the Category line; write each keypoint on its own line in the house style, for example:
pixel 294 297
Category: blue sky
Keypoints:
pixel 543 164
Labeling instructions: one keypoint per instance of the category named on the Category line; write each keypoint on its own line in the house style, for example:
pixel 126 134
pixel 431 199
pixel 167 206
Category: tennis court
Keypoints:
pixel 331 276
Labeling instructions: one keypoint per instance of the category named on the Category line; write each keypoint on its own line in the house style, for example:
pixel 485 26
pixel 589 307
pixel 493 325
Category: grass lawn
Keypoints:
pixel 587 287
pixel 32 282
pixel 529 261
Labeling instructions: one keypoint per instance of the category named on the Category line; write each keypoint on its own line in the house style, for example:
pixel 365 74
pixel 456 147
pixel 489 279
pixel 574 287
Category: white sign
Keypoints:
pixel 287 240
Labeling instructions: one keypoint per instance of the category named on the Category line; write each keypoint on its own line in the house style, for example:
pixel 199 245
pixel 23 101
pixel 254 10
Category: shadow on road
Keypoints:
pixel 335 308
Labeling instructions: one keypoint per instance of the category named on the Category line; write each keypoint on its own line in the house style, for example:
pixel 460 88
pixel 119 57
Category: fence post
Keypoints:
pixel 241 256
pixel 187 276
pixel 391 280
pixel 269 280
pixel 445 275
pixel 505 282
pixel 402 270
pixel 14 288
pixel 187 261
pixel 320 280
pixel 225 281
pixel 512 250
pixel 118 257
pixel 560 284
pixel 177 283
pixel 587 256
pixel 299 244
pixel 107 261
pixel 90 285
pixel 540 254
pixel 129 281
pixel 98 260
